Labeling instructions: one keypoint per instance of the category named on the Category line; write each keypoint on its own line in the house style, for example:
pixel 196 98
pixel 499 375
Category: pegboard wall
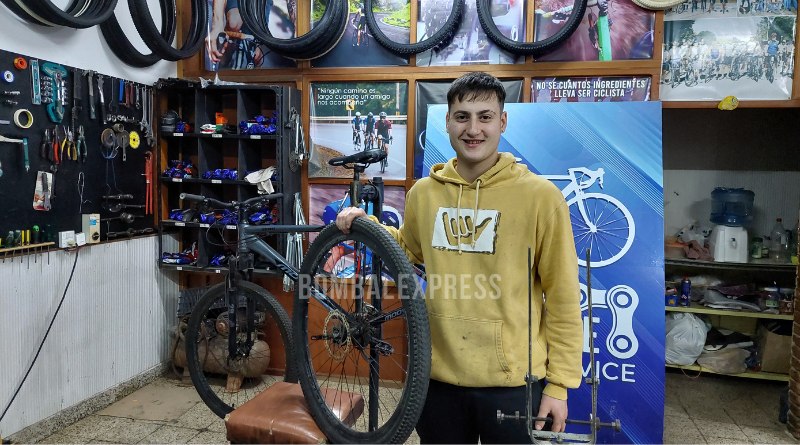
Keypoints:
pixel 78 185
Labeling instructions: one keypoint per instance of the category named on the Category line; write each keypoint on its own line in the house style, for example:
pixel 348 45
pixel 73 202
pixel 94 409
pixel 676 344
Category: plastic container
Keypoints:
pixel 756 247
pixel 732 207
pixel 779 243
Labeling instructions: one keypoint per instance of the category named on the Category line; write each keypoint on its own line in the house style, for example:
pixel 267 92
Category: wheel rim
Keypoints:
pixel 612 233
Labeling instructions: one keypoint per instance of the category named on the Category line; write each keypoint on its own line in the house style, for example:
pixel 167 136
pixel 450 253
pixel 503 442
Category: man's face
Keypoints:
pixel 474 126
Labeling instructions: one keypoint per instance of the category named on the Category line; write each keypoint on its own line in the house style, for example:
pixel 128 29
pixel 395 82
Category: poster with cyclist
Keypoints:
pixel 590 89
pixel 357 46
pixel 749 57
pixel 606 159
pixel 470 44
pixel 610 30
pixel 231 45
pixel 347 117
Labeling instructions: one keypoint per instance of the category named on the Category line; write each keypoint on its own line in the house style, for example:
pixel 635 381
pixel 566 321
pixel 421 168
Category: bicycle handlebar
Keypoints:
pixel 231 204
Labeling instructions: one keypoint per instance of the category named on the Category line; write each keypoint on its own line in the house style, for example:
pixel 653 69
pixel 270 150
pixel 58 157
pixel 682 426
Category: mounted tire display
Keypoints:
pixel 122 47
pixel 440 38
pixel 529 49
pixel 154 39
pixel 81 14
pixel 315 43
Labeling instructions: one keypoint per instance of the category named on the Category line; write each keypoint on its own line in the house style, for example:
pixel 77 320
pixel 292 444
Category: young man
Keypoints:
pixel 471 222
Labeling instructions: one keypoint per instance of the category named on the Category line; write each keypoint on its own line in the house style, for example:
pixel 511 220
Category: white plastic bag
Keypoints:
pixel 686 335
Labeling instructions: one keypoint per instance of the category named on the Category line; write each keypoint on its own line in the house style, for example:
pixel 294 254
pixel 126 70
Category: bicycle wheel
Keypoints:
pixel 226 381
pixel 608 233
pixel 361 329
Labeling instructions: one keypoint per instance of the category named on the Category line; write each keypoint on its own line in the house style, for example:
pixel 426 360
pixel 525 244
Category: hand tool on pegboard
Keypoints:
pixel 24 143
pixel 77 98
pixel 90 79
pixel 148 180
pixel 102 115
pixel 58 75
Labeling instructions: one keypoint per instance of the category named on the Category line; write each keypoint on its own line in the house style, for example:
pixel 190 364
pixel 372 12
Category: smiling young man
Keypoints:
pixel 471 223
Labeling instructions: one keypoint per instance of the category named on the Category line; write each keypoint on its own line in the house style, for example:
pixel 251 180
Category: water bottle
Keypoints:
pixel 686 290
pixel 778 247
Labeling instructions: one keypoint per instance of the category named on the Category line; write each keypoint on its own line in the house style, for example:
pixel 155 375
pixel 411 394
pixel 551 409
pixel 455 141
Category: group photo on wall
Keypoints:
pixel 709 59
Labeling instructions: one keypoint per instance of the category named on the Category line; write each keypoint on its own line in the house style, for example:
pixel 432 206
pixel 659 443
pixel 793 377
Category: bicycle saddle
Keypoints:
pixel 365 157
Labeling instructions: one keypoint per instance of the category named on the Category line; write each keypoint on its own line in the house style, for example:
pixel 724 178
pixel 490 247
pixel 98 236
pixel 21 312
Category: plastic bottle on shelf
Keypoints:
pixel 778 247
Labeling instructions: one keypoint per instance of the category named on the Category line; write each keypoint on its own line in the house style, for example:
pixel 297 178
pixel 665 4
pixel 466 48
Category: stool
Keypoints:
pixel 280 415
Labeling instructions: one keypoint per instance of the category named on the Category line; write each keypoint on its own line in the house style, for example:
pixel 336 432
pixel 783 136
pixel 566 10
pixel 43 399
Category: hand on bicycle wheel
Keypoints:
pixel 368 342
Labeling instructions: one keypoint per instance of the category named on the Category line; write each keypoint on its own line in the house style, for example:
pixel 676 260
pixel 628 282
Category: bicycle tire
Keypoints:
pixel 220 401
pixel 443 36
pixel 122 47
pixel 79 14
pixel 535 49
pixel 151 35
pixel 399 412
pixel 317 42
pixel 25 14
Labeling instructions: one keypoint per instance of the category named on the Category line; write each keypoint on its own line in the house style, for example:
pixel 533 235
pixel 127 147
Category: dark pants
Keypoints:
pixel 456 414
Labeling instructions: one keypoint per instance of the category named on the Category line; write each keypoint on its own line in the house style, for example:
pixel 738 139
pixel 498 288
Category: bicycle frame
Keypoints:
pixel 577 189
pixel 248 242
pixel 603 31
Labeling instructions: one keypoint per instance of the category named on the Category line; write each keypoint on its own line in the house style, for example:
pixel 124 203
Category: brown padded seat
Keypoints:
pixel 280 415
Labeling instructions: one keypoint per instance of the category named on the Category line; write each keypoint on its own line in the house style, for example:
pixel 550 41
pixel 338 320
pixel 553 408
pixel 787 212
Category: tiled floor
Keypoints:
pixel 706 409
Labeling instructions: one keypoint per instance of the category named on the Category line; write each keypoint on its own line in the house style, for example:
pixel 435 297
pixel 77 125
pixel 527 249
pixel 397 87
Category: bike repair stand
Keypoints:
pixel 529 419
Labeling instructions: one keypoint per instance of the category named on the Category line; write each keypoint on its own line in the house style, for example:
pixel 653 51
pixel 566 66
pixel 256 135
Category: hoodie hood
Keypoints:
pixel 506 169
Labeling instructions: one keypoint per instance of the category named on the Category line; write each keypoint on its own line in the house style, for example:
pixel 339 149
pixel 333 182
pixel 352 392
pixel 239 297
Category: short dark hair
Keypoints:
pixel 474 86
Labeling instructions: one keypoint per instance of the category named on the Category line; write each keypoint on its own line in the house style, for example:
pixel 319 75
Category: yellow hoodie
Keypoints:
pixel 477 281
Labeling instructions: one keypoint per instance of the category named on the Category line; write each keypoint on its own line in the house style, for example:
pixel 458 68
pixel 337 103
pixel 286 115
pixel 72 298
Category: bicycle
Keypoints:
pixel 359 324
pixel 360 37
pixel 383 145
pixel 356 139
pixel 600 222
pixel 369 140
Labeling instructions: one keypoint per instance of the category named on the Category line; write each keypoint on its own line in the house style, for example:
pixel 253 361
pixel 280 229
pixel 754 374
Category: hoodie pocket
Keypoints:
pixel 467 346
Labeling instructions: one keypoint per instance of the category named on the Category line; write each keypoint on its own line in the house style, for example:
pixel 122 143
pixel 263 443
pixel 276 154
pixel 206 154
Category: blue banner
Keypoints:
pixel 606 159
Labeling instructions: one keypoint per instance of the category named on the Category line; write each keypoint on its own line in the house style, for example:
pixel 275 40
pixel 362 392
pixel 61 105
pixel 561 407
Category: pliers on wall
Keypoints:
pixel 80 145
pixel 44 151
pixel 69 144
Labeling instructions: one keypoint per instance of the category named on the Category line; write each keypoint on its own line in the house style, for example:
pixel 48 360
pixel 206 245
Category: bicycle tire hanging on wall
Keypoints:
pixel 529 49
pixel 442 37
pixel 154 39
pixel 315 43
pixel 80 14
pixel 122 47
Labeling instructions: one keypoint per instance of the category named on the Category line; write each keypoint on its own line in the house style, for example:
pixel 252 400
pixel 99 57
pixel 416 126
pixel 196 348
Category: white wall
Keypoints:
pixel 81 48
pixel 687 197
pixel 120 309
pixel 115 323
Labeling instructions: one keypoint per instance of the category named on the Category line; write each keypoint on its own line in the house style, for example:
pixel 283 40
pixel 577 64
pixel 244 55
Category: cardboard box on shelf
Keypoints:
pixel 774 351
